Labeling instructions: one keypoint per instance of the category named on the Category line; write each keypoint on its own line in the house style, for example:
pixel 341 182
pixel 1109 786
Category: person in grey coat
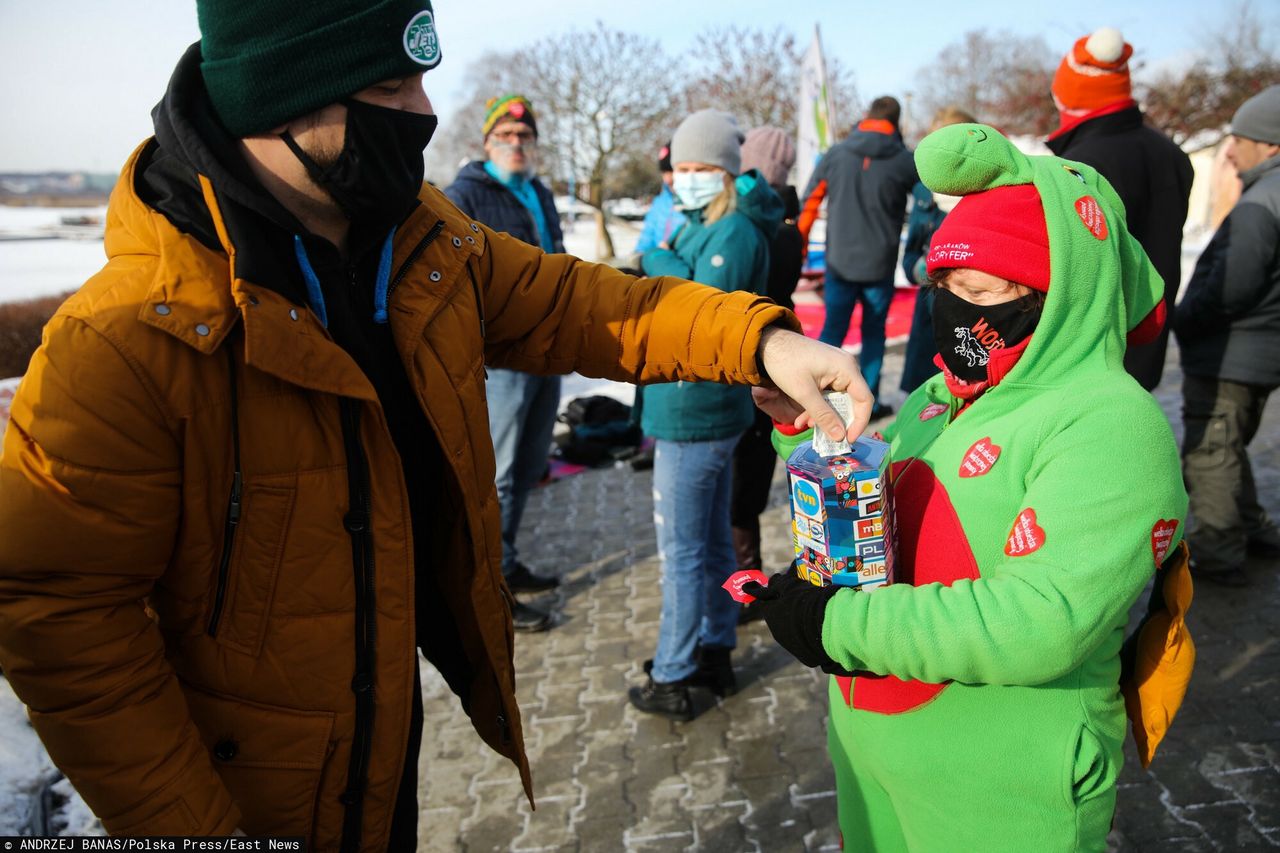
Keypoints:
pixel 1228 328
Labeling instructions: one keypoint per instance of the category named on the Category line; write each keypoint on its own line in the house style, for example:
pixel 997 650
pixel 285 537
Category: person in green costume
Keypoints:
pixel 1037 490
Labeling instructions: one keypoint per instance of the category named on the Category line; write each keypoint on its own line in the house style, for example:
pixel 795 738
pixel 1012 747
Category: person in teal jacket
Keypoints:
pixel 725 243
pixel 1036 490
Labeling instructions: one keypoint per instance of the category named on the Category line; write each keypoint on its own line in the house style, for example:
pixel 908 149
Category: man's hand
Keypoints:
pixel 801 369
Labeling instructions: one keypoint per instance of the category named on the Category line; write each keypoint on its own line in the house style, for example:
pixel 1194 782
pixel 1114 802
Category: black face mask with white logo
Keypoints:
pixel 376 178
pixel 968 334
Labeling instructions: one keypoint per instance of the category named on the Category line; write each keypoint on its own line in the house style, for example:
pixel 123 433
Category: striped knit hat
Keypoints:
pixel 515 107
pixel 1094 74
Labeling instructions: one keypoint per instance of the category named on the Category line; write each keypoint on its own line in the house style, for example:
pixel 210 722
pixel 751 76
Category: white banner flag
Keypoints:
pixel 816 113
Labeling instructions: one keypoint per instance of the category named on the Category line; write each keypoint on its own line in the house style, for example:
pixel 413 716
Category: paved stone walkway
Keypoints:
pixel 751 772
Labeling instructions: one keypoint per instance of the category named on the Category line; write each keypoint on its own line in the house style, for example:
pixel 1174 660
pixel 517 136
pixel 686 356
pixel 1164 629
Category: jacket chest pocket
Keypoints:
pixel 248 569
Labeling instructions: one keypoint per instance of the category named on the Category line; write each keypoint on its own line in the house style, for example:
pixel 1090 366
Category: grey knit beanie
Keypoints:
pixel 770 150
pixel 1259 117
pixel 711 137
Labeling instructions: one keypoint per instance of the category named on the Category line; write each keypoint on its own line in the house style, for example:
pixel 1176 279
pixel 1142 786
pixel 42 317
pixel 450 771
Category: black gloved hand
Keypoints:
pixel 794 609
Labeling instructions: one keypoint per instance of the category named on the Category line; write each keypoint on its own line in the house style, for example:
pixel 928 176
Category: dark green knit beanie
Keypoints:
pixel 266 62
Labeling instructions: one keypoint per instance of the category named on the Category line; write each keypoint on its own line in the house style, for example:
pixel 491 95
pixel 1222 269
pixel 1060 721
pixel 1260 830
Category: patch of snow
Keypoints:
pixel 25 767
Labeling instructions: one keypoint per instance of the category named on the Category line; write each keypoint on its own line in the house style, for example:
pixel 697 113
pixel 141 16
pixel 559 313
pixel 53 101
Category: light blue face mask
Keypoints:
pixel 697 189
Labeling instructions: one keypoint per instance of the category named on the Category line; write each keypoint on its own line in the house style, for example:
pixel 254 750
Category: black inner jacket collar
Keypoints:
pixel 190 140
pixel 1117 122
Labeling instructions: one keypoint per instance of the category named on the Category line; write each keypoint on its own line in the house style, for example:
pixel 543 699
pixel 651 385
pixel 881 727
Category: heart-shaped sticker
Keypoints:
pixel 932 411
pixel 1092 217
pixel 1026 537
pixel 979 458
pixel 1162 538
pixel 736 580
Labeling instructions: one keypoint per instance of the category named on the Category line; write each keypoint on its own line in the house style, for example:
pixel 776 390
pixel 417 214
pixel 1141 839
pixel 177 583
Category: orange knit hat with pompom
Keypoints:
pixel 1094 74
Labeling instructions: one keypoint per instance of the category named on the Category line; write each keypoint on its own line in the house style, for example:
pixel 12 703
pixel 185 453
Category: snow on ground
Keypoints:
pixel 44 267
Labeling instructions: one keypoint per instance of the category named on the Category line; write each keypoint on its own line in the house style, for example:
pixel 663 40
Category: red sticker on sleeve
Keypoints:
pixel 1091 215
pixel 1026 537
pixel 932 411
pixel 734 584
pixel 981 456
pixel 1162 538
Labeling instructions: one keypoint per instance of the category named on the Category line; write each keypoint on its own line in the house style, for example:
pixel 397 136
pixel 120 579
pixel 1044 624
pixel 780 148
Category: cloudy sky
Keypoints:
pixel 78 78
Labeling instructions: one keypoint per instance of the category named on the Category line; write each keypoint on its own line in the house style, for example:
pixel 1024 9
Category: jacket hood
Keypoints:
pixel 1101 284
pixel 758 202
pixel 475 171
pixel 872 144
pixel 191 142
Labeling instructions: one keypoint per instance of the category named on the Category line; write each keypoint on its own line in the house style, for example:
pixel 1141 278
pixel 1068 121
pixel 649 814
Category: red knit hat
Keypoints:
pixel 1094 74
pixel 1001 232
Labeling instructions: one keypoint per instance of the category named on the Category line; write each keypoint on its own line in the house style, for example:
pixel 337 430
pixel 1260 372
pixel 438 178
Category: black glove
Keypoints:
pixel 793 609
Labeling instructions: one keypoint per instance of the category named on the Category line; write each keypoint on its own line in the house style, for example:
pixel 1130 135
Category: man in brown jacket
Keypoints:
pixel 249 472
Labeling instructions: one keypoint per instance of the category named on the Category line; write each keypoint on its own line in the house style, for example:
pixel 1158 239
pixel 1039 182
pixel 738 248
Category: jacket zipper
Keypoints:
pixel 427 240
pixel 233 505
pixel 358 523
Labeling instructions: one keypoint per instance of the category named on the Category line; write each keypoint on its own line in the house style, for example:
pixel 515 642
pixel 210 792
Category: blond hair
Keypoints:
pixel 951 114
pixel 723 204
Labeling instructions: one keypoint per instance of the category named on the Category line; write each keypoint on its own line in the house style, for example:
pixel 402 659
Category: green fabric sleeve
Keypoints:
pixel 785 445
pixel 1032 618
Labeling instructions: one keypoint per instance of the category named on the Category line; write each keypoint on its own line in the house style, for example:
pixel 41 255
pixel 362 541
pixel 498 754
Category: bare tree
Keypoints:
pixel 1194 103
pixel 598 95
pixel 458 140
pixel 1002 78
pixel 755 75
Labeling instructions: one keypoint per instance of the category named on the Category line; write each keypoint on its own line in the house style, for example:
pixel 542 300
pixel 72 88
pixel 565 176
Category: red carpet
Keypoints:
pixel 898 325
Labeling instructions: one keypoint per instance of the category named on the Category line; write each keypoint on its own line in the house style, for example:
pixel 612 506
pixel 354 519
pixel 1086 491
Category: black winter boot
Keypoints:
pixel 667 700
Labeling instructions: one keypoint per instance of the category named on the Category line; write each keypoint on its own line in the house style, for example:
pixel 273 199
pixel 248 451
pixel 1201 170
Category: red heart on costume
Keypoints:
pixel 1026 537
pixel 980 457
pixel 932 411
pixel 1162 538
pixel 1092 217
pixel 736 580
pixel 516 109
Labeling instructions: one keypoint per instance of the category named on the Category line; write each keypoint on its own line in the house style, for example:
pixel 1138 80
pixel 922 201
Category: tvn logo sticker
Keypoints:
pixel 806 496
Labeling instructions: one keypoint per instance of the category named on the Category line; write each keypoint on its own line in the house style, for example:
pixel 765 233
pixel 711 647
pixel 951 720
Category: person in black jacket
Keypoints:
pixel 1228 328
pixel 503 193
pixel 771 151
pixel 1102 127
pixel 866 179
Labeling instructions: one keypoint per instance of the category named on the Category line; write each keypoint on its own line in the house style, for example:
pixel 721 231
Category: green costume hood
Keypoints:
pixel 1096 266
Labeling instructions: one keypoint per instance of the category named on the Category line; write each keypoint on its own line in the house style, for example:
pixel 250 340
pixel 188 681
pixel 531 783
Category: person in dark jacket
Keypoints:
pixel 927 213
pixel 770 151
pixel 866 180
pixel 731 219
pixel 1102 126
pixel 503 193
pixel 1228 329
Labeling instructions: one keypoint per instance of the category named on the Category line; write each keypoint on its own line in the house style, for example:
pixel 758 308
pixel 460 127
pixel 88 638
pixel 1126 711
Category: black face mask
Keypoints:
pixel 967 334
pixel 376 178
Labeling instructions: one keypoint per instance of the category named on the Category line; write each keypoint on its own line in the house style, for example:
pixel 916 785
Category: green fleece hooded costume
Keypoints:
pixel 986 713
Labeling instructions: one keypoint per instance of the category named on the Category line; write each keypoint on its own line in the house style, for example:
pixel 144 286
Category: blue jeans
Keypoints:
pixel 522 415
pixel 691 492
pixel 875 296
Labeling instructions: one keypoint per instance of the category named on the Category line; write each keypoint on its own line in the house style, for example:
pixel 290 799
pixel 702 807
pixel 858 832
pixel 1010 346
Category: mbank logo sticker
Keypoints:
pixel 420 40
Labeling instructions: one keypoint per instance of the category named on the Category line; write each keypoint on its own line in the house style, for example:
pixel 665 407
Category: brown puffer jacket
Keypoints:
pixel 190 676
